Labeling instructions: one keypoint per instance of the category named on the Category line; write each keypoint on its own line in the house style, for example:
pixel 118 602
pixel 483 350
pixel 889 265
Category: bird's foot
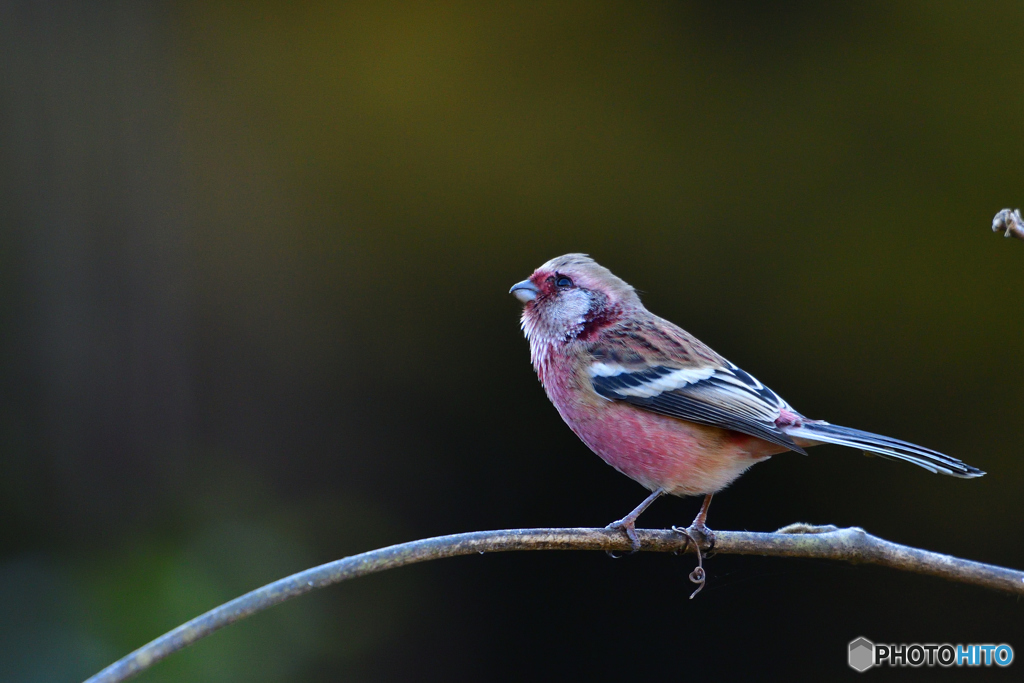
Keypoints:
pixel 628 526
pixel 703 536
pixel 703 539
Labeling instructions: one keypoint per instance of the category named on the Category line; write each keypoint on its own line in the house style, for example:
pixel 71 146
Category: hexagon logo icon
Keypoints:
pixel 862 654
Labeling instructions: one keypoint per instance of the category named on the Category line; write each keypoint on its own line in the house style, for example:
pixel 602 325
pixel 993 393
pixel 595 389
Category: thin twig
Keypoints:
pixel 1010 223
pixel 796 540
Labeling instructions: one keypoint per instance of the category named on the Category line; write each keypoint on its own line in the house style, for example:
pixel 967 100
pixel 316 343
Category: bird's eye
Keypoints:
pixel 563 281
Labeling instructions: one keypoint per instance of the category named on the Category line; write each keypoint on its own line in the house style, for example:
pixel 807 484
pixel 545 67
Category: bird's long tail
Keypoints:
pixel 933 461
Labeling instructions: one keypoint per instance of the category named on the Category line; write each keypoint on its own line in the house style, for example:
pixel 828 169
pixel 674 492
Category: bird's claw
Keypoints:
pixel 702 535
pixel 630 529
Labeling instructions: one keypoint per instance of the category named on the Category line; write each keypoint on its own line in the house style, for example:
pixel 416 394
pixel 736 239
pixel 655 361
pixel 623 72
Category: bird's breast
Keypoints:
pixel 655 450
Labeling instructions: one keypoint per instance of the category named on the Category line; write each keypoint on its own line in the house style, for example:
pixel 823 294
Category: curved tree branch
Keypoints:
pixel 796 540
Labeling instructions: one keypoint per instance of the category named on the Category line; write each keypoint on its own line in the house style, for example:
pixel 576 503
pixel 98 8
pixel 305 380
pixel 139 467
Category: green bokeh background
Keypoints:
pixel 253 316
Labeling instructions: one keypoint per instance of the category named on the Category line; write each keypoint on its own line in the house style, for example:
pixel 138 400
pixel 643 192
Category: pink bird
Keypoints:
pixel 657 404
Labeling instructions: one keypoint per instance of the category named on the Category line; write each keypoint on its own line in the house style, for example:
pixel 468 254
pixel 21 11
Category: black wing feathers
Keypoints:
pixel 730 399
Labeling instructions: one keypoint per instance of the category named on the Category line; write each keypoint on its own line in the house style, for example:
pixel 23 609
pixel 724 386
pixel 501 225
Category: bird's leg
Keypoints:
pixel 700 535
pixel 698 527
pixel 628 523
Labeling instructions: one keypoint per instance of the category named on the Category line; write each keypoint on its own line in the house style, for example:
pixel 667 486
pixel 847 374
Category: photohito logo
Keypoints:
pixel 863 654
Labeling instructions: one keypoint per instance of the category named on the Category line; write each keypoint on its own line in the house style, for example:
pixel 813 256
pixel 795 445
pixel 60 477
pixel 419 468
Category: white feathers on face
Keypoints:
pixel 568 311
pixel 561 315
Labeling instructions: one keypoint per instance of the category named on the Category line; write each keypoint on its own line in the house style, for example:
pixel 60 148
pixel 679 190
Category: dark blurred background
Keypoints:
pixel 253 317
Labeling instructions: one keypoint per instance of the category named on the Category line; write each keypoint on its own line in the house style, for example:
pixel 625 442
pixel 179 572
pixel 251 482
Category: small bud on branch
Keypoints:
pixel 1010 223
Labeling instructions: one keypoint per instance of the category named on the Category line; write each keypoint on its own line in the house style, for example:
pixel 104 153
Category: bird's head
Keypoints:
pixel 569 294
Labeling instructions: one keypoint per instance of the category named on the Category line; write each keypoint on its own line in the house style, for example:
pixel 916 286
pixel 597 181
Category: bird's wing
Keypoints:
pixel 666 371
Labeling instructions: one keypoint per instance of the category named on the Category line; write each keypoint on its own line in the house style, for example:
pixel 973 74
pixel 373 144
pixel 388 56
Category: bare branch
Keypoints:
pixel 1009 221
pixel 796 540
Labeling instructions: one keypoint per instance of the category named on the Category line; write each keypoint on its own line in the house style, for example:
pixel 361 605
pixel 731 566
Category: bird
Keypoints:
pixel 660 406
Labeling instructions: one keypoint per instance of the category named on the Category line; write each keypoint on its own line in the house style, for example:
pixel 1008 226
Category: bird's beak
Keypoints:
pixel 525 291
